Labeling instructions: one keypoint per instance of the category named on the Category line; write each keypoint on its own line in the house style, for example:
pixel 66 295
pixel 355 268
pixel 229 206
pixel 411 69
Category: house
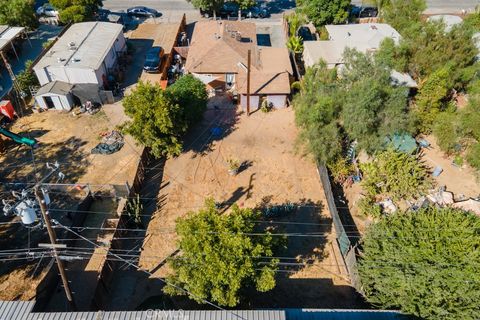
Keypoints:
pixel 365 37
pixel 218 55
pixel 85 53
pixel 449 20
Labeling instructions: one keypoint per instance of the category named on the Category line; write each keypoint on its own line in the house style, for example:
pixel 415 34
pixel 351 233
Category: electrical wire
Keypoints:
pixel 151 274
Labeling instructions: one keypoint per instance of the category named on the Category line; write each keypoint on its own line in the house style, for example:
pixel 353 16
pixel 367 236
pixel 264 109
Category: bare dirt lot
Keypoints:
pixel 271 174
pixel 69 139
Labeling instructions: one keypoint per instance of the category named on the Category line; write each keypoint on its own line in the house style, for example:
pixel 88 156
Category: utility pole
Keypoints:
pixel 249 62
pixel 14 80
pixel 53 239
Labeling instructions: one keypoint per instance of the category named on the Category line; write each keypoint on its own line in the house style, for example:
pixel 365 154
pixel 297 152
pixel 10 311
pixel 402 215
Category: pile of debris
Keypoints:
pixel 111 142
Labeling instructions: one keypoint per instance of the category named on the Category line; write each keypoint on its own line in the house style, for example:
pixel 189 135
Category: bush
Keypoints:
pixel 341 169
pixel 368 207
pixel 447 131
pixel 424 263
pixel 473 155
pixel 395 175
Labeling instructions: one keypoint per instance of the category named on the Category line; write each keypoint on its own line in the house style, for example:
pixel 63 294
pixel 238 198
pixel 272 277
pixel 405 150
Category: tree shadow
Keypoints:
pixel 298 218
pixel 27 165
pixel 219 120
pixel 342 204
pixel 135 60
pixel 279 6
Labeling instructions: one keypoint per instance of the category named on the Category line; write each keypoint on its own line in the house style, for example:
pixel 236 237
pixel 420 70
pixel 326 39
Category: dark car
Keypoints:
pixel 364 12
pixel 255 12
pixel 142 12
pixel 153 59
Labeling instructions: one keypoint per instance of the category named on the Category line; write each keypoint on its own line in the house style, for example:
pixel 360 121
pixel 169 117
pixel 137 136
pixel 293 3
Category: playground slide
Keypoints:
pixel 18 139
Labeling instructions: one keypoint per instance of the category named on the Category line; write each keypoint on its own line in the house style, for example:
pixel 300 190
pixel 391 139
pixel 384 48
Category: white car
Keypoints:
pixel 47 10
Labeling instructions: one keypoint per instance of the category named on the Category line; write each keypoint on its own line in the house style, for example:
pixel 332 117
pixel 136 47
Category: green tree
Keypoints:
pixel 316 113
pixel 17 13
pixel 191 94
pixel 157 121
pixel 473 155
pixel 27 78
pixel 403 15
pixel 295 43
pixel 395 175
pixel 372 109
pixel 322 12
pixel 76 10
pixel 432 97
pixel 219 258
pixel 424 263
pixel 447 131
pixel 207 5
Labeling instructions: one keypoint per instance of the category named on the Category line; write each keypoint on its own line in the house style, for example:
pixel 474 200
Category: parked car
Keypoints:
pixel 153 59
pixel 142 12
pixel 364 12
pixel 47 10
pixel 256 12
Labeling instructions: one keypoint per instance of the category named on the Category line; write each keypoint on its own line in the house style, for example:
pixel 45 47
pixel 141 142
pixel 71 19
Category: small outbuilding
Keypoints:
pixel 55 95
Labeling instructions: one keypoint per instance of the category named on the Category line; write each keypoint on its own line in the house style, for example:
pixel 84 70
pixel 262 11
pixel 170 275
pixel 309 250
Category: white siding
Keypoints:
pixel 61 102
pixel 81 75
pixel 42 77
pixel 278 101
pixel 254 101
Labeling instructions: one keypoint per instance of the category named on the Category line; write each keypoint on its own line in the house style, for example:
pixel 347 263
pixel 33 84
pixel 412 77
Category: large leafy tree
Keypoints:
pixel 219 256
pixel 191 95
pixel 157 121
pixel 18 13
pixel 317 111
pixel 361 105
pixel 213 5
pixel 322 12
pixel 403 15
pixel 424 263
pixel 396 175
pixel 76 10
pixel 373 108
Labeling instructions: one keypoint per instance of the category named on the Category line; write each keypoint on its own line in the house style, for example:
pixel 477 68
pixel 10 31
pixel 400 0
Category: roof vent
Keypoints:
pixel 75 60
pixel 61 59
pixel 238 36
pixel 72 45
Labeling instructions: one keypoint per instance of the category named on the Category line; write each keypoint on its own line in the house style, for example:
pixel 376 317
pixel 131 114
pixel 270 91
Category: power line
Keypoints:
pixel 151 274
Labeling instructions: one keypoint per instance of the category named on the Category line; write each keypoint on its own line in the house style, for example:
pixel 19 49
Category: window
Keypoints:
pixel 229 79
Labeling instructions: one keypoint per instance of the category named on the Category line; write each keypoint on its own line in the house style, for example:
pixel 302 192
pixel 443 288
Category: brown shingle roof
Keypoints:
pixel 215 49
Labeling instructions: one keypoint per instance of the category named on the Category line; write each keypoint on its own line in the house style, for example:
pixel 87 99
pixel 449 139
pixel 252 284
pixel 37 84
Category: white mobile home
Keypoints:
pixel 86 53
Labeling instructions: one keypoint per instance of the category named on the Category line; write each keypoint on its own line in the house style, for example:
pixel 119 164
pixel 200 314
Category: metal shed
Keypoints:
pixel 55 95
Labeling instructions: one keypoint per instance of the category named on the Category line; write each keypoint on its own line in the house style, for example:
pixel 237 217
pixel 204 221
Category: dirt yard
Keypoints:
pixel 271 174
pixel 462 181
pixel 68 139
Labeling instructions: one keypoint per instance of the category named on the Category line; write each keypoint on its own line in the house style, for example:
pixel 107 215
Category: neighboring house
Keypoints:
pixel 218 55
pixel 86 54
pixel 365 38
pixel 449 20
